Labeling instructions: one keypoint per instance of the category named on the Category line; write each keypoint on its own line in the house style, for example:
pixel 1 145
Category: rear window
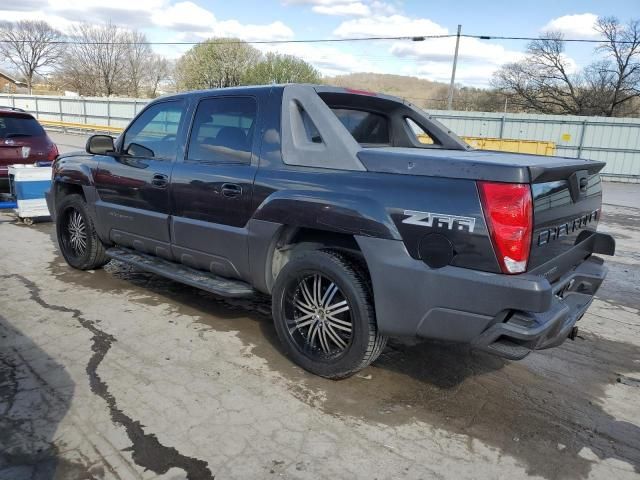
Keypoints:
pixel 14 126
pixel 365 127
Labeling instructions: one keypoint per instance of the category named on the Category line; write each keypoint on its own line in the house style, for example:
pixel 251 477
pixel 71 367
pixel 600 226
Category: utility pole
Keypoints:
pixel 453 70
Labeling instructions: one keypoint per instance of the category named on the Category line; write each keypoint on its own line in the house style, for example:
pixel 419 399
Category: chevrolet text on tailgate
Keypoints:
pixel 360 215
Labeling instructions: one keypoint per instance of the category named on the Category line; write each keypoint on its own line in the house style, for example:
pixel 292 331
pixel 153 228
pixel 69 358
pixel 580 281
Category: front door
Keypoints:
pixel 133 184
pixel 211 189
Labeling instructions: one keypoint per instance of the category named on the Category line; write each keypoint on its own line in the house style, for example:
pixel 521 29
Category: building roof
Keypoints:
pixel 12 80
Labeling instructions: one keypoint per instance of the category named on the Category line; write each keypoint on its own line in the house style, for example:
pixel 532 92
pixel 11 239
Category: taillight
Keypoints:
pixel 508 210
pixel 53 152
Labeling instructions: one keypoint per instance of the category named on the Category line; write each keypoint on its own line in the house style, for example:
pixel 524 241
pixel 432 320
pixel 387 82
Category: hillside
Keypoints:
pixel 424 93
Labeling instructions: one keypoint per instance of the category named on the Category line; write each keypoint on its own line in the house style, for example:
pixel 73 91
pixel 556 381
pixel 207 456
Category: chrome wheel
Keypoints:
pixel 75 233
pixel 318 316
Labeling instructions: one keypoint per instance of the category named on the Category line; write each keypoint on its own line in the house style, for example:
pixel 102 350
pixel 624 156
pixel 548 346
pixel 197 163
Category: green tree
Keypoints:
pixel 215 63
pixel 277 68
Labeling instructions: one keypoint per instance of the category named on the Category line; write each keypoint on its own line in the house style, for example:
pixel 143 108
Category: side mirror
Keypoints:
pixel 137 150
pixel 100 144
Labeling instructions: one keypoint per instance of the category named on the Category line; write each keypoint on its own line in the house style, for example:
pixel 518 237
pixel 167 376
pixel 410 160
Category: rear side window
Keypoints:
pixel 419 133
pixel 16 126
pixel 365 127
pixel 223 130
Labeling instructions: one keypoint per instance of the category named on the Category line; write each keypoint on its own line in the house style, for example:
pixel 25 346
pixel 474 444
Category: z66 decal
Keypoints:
pixel 429 219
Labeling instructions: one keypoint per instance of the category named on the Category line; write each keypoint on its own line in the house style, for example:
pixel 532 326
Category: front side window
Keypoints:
pixel 365 127
pixel 223 130
pixel 154 133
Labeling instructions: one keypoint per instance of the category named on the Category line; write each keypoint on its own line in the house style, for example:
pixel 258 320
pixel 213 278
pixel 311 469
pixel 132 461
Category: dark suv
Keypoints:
pixel 22 140
pixel 332 202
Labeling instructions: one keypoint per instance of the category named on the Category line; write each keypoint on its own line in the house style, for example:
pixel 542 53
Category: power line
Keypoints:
pixel 227 42
pixel 415 38
pixel 575 40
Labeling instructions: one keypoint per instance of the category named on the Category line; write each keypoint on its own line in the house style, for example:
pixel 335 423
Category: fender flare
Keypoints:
pixel 323 211
pixel 328 211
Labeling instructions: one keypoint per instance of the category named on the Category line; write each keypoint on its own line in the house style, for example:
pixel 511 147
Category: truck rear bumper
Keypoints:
pixel 523 332
pixel 507 315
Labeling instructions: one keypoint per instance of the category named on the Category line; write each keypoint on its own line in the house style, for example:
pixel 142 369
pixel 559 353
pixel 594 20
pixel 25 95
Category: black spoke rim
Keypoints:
pixel 318 316
pixel 73 233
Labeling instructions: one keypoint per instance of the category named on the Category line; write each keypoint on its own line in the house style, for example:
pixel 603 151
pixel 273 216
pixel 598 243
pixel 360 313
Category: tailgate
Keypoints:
pixel 566 212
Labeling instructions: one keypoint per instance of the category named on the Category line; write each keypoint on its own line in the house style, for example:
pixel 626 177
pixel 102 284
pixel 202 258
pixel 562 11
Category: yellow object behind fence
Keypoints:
pixel 80 126
pixel 535 147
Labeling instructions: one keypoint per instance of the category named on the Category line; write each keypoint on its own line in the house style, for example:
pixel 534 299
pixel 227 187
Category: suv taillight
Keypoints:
pixel 53 152
pixel 508 210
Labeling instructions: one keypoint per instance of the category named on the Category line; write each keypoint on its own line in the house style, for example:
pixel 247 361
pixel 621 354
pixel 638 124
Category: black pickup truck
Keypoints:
pixel 360 215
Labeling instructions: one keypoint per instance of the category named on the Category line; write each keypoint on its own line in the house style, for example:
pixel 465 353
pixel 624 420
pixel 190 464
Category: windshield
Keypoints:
pixel 15 126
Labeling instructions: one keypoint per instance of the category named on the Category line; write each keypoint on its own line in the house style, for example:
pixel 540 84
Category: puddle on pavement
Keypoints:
pixel 543 410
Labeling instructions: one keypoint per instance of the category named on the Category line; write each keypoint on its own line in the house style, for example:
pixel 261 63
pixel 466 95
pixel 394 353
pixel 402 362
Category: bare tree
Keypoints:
pixel 31 47
pixel 99 53
pixel 545 81
pixel 622 72
pixel 139 60
pixel 160 71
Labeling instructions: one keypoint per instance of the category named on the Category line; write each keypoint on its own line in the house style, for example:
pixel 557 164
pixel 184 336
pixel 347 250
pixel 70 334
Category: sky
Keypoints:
pixel 196 20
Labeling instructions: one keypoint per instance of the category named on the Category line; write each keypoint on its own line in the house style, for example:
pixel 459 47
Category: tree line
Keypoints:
pixel 106 60
pixel 97 60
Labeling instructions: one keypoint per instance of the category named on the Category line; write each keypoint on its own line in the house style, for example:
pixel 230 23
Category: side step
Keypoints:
pixel 224 287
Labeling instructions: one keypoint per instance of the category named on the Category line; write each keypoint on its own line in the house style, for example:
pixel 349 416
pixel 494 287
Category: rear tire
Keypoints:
pixel 324 315
pixel 76 233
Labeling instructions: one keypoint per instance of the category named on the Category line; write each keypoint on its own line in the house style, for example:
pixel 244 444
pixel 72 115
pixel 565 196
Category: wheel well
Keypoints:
pixel 68 189
pixel 293 241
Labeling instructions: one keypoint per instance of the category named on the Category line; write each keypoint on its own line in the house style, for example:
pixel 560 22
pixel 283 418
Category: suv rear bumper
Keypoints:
pixel 507 315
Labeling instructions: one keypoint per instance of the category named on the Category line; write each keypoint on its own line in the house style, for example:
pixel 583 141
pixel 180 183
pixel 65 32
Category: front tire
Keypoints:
pixel 76 233
pixel 324 315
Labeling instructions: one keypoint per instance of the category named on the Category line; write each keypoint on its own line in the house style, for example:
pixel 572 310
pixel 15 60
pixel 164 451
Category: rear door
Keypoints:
pixel 211 189
pixel 133 184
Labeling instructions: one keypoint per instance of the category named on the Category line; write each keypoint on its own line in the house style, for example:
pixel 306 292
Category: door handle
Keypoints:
pixel 160 180
pixel 231 190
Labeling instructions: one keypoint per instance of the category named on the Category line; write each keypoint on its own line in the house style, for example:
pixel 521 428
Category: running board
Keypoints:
pixel 224 287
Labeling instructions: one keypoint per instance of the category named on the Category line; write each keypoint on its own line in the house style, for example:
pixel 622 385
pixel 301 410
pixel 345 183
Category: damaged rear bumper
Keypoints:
pixel 521 332
pixel 506 315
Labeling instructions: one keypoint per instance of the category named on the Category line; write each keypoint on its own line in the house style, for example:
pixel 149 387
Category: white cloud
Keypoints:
pixel 352 8
pixel 355 9
pixel 388 26
pixel 477 60
pixel 233 28
pixel 329 60
pixel 182 17
pixel 581 25
pixel 442 50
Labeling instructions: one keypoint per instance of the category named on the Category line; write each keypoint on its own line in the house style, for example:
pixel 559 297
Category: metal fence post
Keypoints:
pixel 13 101
pixel 37 113
pixel 502 122
pixel 108 112
pixel 581 142
pixel 84 109
pixel 60 108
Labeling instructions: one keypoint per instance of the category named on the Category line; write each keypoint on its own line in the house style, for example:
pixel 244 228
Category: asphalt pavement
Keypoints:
pixel 117 373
